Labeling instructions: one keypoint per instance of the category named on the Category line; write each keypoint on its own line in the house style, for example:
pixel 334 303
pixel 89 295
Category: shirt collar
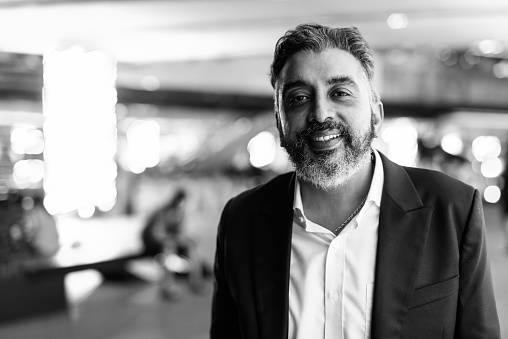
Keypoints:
pixel 374 195
pixel 378 178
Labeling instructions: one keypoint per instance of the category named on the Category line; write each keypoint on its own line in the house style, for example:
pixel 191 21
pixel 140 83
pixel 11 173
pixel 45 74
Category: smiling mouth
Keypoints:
pixel 325 138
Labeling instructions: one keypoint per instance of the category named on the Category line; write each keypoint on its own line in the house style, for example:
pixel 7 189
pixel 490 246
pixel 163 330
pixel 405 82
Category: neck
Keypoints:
pixel 327 208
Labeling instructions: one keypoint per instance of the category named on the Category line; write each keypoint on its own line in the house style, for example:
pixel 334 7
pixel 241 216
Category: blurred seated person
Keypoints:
pixel 174 251
pixel 45 233
pixel 28 234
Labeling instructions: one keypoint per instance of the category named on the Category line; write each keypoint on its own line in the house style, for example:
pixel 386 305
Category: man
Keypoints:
pixel 351 245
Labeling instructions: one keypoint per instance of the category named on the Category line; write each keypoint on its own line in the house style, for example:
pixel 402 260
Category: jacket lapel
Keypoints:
pixel 271 246
pixel 403 227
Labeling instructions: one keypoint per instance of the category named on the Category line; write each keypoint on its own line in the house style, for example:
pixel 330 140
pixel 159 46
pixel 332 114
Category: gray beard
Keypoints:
pixel 330 169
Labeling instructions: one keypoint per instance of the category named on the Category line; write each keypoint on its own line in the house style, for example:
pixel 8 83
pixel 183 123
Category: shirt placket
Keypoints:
pixel 334 288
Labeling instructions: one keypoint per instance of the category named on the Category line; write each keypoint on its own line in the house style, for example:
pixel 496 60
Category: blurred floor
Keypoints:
pixel 134 309
pixel 121 310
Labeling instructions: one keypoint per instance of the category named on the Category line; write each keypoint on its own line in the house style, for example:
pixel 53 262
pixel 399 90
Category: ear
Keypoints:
pixel 378 115
pixel 276 111
pixel 277 120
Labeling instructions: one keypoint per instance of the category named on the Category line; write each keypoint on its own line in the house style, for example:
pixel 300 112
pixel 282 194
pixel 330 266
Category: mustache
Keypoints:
pixel 326 125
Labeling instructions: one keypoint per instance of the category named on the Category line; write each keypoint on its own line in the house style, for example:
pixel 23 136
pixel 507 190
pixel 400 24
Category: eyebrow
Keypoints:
pixel 336 80
pixel 292 84
pixel 343 80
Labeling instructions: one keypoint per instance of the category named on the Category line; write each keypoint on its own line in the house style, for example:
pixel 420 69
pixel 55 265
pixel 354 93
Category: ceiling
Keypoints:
pixel 147 37
pixel 214 45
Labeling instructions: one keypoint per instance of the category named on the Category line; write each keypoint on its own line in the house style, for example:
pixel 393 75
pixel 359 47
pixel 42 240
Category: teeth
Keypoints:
pixel 326 137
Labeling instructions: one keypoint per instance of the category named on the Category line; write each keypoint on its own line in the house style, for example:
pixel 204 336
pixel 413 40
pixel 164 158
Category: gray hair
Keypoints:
pixel 317 38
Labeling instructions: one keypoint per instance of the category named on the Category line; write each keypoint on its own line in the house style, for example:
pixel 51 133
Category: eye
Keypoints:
pixel 297 100
pixel 339 93
pixel 300 98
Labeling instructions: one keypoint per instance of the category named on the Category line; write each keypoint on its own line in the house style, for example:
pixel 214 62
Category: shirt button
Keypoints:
pixel 334 295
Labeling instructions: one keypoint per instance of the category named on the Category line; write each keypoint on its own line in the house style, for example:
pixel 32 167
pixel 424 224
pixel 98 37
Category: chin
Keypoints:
pixel 323 179
pixel 330 170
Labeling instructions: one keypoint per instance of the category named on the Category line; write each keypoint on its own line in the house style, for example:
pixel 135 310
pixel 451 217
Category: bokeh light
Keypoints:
pixel 401 138
pixel 262 149
pixel 486 147
pixel 397 21
pixel 28 171
pixel 452 143
pixel 491 168
pixel 500 69
pixel 492 194
pixel 489 46
pixel 26 139
pixel 143 151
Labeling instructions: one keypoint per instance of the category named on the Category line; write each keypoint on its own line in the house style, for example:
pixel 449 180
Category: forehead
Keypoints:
pixel 312 66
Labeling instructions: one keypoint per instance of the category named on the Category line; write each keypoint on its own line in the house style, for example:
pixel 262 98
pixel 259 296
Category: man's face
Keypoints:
pixel 326 116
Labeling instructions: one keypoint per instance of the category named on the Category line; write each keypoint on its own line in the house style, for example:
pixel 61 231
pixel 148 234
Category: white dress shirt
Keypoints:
pixel 332 277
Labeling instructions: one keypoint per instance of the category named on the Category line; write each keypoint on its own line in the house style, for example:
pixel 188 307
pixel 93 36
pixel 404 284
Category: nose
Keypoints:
pixel 321 111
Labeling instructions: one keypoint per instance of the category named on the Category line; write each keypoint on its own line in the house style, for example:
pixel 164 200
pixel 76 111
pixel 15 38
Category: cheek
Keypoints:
pixel 363 120
pixel 286 123
pixel 293 125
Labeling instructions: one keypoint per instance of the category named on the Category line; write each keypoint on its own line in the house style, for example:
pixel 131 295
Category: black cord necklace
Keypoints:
pixel 354 214
pixel 358 209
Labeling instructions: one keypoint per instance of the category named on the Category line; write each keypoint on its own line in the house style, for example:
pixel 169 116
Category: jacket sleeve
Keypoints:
pixel 476 310
pixel 224 322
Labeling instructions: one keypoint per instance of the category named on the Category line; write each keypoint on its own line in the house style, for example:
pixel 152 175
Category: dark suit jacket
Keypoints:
pixel 432 277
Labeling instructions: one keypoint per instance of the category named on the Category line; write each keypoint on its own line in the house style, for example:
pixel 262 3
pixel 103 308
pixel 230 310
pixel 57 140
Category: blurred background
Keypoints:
pixel 110 110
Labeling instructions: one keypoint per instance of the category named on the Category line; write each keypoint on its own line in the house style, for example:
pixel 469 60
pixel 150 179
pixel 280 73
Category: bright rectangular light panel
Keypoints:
pixel 80 131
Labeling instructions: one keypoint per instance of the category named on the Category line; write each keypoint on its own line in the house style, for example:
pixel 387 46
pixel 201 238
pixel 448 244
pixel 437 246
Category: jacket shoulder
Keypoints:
pixel 435 185
pixel 256 196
